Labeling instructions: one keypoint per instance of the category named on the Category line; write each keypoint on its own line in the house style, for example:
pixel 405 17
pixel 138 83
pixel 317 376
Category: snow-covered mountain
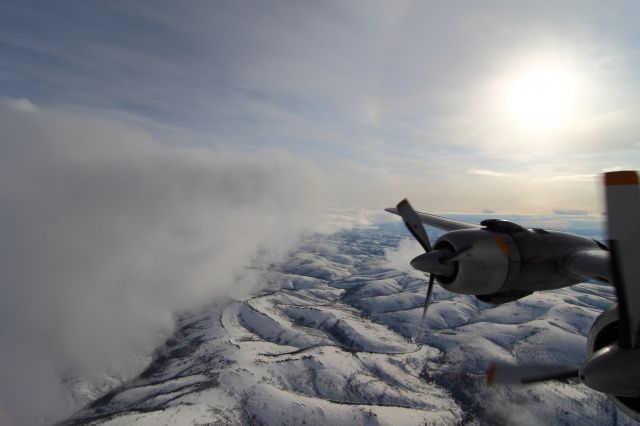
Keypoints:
pixel 335 338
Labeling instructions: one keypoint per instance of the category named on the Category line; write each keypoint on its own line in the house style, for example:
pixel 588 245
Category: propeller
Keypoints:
pixel 612 369
pixel 427 300
pixel 623 210
pixel 433 262
pixel 412 221
pixel 508 374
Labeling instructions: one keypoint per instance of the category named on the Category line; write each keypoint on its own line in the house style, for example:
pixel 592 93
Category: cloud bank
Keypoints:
pixel 107 233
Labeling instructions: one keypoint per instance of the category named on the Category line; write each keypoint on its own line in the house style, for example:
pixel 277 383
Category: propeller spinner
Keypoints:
pixel 434 262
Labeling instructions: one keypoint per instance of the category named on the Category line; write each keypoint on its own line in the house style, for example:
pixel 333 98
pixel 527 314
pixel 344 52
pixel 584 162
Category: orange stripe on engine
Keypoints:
pixel 503 246
pixel 626 177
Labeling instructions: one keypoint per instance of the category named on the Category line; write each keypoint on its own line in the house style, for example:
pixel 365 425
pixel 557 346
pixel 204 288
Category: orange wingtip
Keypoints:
pixel 624 177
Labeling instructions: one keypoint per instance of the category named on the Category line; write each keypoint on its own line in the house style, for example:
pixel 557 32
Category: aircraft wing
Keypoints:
pixel 440 222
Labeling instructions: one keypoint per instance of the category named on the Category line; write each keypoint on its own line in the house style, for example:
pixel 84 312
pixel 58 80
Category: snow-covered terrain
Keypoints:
pixel 335 338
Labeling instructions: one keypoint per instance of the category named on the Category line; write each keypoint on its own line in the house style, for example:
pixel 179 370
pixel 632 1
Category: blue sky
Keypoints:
pixel 387 99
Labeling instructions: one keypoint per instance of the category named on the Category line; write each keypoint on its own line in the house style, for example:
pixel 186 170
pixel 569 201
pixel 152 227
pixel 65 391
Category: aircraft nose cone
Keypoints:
pixel 430 262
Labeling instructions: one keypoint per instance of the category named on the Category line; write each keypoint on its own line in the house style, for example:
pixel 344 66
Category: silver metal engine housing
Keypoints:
pixel 482 271
pixel 604 332
pixel 508 261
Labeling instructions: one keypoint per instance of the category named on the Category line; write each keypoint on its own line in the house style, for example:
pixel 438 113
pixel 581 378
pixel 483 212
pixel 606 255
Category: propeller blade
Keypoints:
pixel 623 210
pixel 427 301
pixel 411 219
pixel 507 374
pixel 457 255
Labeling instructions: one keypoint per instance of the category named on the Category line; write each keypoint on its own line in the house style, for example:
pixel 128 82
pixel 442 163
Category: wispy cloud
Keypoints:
pixel 572 178
pixel 481 172
pixel 21 104
pixel 570 212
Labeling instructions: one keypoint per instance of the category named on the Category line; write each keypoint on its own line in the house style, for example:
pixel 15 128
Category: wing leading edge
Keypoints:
pixel 440 222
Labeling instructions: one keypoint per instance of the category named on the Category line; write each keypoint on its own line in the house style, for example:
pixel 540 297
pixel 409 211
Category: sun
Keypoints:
pixel 542 98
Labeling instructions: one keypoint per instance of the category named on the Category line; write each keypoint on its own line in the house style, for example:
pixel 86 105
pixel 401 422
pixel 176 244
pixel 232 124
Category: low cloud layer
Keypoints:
pixel 107 233
pixel 398 258
pixel 570 212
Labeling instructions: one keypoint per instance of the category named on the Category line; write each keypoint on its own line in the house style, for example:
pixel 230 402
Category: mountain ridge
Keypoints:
pixel 332 340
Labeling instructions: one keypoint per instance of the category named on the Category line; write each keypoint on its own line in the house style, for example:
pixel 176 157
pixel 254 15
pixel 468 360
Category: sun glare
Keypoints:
pixel 542 98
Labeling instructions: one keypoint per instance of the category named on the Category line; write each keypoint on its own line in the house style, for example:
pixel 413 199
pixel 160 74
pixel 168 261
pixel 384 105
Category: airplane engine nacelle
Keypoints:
pixel 483 270
pixel 507 262
pixel 604 332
